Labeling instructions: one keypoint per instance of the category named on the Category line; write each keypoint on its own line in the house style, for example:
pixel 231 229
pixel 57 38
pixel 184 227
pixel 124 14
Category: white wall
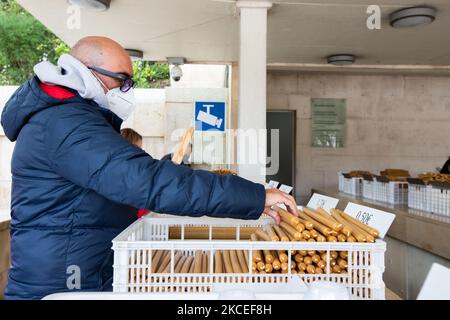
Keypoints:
pixel 6 149
pixel 149 120
pixel 201 76
pixel 392 122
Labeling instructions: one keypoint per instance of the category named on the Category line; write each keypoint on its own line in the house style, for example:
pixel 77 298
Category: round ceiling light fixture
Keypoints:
pixel 341 59
pixel 412 17
pixel 135 54
pixel 93 5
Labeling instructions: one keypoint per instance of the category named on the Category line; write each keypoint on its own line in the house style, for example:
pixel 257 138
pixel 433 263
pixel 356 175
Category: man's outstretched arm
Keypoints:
pixel 91 154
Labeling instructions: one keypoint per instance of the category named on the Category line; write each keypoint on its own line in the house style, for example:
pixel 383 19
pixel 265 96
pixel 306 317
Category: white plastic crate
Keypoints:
pixel 419 195
pixel 340 182
pixel 352 185
pixel 368 186
pixel 398 192
pixel 440 198
pixel 134 247
pixel 380 191
pixel 392 192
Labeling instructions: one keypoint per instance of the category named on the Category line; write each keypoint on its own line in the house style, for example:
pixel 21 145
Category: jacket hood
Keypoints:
pixel 29 99
pixel 71 73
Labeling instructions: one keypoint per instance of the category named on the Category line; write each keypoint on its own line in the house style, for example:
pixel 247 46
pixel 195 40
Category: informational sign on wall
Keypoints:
pixel 328 122
pixel 209 116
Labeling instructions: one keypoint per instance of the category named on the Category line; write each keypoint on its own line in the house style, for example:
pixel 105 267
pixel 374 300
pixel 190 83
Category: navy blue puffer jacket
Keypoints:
pixel 76 184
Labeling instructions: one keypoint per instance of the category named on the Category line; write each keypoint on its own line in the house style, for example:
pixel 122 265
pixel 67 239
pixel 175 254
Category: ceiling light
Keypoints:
pixel 135 54
pixel 94 5
pixel 341 59
pixel 411 17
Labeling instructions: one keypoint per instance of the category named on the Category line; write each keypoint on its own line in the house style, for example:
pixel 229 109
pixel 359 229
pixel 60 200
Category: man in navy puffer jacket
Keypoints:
pixel 76 181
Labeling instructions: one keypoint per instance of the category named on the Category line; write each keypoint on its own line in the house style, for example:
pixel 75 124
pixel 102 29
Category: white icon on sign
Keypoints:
pixel 209 118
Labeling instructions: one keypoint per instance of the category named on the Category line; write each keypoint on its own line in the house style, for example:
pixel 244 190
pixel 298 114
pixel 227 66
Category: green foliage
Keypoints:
pixel 24 41
pixel 10 6
pixel 151 75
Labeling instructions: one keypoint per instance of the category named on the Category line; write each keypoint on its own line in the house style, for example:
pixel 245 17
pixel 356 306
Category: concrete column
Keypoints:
pixel 234 117
pixel 252 89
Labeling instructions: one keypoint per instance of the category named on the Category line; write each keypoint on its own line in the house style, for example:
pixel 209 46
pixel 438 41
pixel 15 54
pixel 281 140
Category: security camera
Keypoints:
pixel 176 73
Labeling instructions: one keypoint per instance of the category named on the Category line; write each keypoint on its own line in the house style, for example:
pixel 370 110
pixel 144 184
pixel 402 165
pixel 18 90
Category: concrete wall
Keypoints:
pixel 149 120
pixel 201 76
pixel 6 148
pixel 407 267
pixel 393 121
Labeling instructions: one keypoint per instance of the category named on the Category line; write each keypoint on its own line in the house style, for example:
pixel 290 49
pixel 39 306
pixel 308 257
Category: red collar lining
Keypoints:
pixel 56 92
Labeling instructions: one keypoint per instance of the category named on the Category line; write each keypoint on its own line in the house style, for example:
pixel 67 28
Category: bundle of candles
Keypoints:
pixel 311 226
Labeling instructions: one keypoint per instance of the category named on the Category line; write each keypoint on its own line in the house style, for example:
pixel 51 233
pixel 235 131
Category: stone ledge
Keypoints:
pixel 4 224
pixel 4 249
pixel 3 280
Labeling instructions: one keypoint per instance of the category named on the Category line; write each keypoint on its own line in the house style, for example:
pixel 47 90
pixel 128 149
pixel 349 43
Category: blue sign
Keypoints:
pixel 209 116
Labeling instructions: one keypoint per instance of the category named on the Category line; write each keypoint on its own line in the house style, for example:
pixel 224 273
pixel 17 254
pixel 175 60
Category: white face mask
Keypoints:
pixel 121 103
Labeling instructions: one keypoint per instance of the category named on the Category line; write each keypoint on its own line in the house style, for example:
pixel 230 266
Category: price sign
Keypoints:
pixel 273 184
pixel 378 219
pixel 321 201
pixel 285 188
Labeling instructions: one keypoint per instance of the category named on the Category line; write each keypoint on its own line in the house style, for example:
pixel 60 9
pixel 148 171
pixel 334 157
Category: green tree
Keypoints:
pixel 149 74
pixel 24 41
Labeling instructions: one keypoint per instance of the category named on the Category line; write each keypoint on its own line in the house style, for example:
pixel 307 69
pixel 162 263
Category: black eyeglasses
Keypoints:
pixel 127 81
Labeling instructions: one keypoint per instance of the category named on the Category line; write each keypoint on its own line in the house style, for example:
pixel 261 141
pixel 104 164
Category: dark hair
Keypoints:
pixel 130 135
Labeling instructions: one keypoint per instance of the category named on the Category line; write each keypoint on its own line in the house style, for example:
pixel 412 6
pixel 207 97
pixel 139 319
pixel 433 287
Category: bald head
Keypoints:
pixel 103 53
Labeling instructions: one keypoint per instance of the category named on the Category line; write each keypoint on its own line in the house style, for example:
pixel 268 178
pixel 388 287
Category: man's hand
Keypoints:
pixel 274 197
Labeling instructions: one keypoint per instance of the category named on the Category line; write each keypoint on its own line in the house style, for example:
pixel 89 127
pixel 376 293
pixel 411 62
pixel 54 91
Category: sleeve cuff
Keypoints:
pixel 261 201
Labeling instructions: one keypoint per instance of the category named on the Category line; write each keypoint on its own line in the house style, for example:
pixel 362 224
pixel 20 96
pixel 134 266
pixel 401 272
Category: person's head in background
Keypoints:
pixel 132 136
pixel 446 167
